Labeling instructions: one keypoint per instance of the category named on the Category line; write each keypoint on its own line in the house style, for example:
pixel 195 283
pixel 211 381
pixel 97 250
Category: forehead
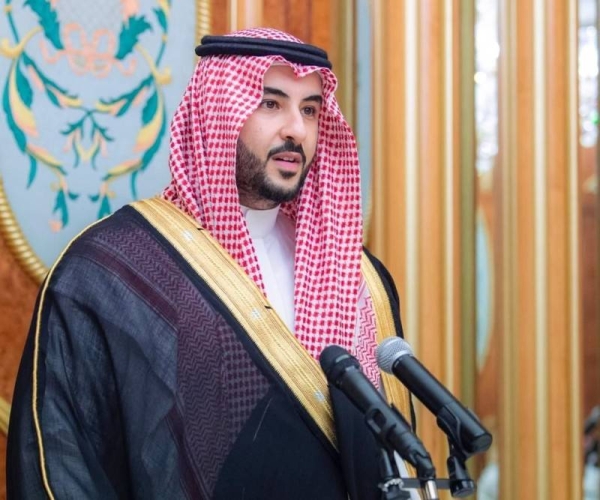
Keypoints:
pixel 282 77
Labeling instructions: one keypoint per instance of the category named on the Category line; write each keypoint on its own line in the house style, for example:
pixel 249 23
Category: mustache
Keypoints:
pixel 288 147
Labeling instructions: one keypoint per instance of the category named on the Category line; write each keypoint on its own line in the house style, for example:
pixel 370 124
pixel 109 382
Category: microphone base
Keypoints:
pixel 430 491
pixel 430 486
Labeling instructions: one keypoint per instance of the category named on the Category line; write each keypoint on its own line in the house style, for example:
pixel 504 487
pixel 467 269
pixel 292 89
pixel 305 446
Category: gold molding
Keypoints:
pixel 4 415
pixel 467 169
pixel 412 47
pixel 203 19
pixel 244 14
pixel 540 199
pixel 17 242
pixel 449 198
pixel 346 41
pixel 508 165
pixel 573 292
pixel 377 238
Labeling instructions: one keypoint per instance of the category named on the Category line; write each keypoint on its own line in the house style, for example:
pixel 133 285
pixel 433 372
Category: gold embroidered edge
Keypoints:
pixel 248 305
pixel 395 391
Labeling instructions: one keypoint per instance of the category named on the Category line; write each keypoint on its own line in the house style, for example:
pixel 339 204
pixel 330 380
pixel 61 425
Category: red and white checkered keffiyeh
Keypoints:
pixel 223 92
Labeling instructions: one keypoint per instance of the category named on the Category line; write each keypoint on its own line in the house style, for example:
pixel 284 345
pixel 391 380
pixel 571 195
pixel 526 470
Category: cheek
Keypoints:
pixel 251 132
pixel 252 141
pixel 311 144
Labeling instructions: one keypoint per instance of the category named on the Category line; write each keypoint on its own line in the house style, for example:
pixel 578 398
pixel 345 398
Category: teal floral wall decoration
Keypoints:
pixel 88 89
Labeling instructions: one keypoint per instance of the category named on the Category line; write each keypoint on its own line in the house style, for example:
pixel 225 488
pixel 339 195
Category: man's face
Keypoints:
pixel 278 141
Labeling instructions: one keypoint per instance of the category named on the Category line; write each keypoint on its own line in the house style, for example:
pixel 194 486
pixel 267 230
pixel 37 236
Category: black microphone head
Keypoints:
pixel 335 360
pixel 390 350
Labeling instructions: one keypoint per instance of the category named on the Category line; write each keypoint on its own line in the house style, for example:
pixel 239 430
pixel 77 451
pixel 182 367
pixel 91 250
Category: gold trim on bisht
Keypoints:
pixel 249 307
pixel 394 390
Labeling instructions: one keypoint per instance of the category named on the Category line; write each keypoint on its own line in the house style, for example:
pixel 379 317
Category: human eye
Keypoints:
pixel 269 104
pixel 310 111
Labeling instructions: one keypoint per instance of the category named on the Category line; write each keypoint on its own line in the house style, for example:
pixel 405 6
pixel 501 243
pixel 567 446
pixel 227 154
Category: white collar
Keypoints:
pixel 260 222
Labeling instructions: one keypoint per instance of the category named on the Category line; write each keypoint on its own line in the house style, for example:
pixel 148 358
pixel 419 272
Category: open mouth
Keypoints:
pixel 288 157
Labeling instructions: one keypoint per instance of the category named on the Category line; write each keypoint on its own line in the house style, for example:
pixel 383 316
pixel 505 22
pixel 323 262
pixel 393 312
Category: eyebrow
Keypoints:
pixel 278 92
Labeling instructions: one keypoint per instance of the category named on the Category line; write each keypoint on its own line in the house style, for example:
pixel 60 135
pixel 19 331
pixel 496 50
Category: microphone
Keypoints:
pixel 389 426
pixel 394 355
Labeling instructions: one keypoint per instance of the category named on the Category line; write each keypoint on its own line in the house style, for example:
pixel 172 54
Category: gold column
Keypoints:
pixel 465 366
pixel 541 422
pixel 417 228
pixel 244 14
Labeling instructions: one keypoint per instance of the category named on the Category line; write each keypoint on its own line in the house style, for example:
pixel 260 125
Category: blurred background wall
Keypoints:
pixel 477 126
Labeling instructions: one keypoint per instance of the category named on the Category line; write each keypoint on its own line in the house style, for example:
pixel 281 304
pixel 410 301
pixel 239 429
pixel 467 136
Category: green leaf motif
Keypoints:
pixel 103 132
pixel 71 127
pixel 150 108
pixel 53 98
pixel 147 157
pixel 133 184
pixel 48 83
pixel 61 206
pixel 104 208
pixel 152 150
pixel 130 31
pixel 129 97
pixel 77 158
pixel 32 170
pixel 24 87
pixel 162 19
pixel 48 21
pixel 93 159
pixel 18 134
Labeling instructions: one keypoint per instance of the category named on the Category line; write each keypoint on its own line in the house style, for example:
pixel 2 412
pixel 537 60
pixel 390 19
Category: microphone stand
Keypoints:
pixel 461 484
pixel 429 487
pixel 391 483
pixel 420 459
pixel 393 487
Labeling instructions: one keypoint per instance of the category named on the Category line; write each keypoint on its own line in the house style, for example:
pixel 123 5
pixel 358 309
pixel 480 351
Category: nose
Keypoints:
pixel 294 127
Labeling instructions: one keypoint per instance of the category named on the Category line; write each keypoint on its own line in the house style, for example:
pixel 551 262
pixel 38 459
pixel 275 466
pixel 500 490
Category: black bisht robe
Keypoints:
pixel 137 381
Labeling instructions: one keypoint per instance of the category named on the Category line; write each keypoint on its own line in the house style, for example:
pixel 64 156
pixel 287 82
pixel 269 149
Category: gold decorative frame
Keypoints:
pixel 10 229
pixel 16 241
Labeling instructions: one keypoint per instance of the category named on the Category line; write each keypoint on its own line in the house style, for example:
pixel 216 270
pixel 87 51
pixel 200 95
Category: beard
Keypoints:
pixel 253 182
